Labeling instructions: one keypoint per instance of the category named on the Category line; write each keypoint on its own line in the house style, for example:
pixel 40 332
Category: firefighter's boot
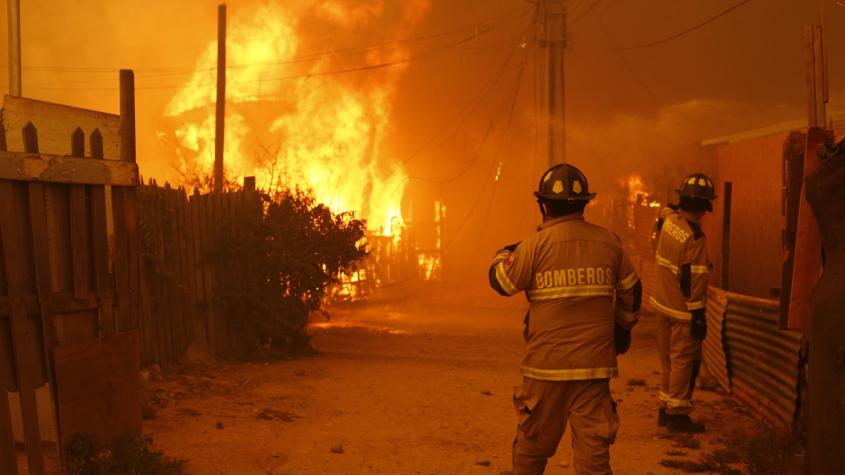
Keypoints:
pixel 682 423
pixel 661 417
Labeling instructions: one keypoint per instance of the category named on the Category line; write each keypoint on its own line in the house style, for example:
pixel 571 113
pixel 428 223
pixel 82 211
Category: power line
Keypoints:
pixel 294 76
pixel 485 137
pixel 476 32
pixel 684 32
pixel 479 30
pixel 584 13
pixel 495 160
pixel 624 60
pixel 463 115
pixel 510 116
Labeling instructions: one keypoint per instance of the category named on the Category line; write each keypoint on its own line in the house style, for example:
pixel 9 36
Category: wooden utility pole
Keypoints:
pixel 14 13
pixel 553 43
pixel 220 127
pixel 807 261
pixel 817 85
pixel 127 115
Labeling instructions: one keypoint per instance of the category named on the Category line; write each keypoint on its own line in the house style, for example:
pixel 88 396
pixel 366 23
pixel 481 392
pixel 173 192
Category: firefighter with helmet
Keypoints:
pixel 584 298
pixel 679 299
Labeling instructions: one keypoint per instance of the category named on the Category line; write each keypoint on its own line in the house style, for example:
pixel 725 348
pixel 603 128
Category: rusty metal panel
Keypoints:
pixel 713 349
pixel 763 360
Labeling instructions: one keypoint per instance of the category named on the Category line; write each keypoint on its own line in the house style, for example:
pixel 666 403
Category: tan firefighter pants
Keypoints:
pixel 680 358
pixel 544 407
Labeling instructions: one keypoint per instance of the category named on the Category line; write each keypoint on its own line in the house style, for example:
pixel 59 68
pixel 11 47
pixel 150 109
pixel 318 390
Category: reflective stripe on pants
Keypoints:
pixel 679 353
pixel 543 409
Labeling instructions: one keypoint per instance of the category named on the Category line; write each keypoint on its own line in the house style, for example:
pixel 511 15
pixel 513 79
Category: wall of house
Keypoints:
pixel 755 167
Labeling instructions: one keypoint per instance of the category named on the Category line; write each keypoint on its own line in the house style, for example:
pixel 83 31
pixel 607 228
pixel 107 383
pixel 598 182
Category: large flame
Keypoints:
pixel 289 122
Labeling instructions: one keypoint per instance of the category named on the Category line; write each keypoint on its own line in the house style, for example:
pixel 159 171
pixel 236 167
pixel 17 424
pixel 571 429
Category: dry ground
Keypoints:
pixel 404 386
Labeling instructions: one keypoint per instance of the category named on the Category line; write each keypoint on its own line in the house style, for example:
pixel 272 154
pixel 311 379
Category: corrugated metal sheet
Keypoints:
pixel 713 350
pixel 763 361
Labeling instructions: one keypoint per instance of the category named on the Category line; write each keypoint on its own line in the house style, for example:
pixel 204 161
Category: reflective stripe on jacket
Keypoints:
pixel 682 268
pixel 579 282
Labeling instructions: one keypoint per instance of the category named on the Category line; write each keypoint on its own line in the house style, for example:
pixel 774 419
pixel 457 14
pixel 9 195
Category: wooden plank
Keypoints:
pixel 213 217
pixel 148 301
pixel 40 252
pixel 127 116
pixel 99 239
pixel 163 312
pixel 30 138
pixel 188 275
pixel 57 215
pixel 134 254
pixel 176 336
pixel 96 142
pixel 38 223
pixel 793 158
pixel 179 271
pixel 171 237
pixel 99 387
pixel 79 240
pixel 22 166
pixel 208 272
pixel 26 366
pixel 3 282
pixel 67 302
pixel 807 265
pixel 77 143
pixel 145 314
pixel 56 122
pixel 195 242
pixel 53 303
pixel 3 145
pixel 121 258
pixel 8 459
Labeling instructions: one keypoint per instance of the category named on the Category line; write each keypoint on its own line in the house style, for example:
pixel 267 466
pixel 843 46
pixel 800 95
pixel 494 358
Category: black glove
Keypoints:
pixel 622 338
pixel 511 247
pixel 698 327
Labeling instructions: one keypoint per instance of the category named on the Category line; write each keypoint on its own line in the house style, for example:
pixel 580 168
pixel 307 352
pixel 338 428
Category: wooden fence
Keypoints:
pixel 179 275
pixel 67 304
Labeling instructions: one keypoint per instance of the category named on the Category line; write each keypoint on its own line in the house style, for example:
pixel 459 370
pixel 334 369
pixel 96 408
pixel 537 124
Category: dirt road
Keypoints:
pixel 404 386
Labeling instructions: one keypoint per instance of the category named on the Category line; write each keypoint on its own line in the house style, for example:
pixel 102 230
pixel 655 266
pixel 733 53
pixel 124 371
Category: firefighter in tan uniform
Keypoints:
pixel 679 298
pixel 584 299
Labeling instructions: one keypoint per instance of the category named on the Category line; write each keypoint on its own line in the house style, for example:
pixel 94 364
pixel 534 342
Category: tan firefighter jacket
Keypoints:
pixel 579 281
pixel 682 267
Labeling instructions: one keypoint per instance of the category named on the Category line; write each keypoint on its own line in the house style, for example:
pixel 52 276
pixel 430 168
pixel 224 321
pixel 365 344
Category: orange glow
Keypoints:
pixel 289 128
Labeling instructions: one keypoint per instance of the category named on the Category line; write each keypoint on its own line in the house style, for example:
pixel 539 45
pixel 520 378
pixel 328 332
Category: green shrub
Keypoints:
pixel 275 265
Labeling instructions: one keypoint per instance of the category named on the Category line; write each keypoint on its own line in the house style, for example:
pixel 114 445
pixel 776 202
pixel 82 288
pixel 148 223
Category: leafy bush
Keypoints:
pixel 276 264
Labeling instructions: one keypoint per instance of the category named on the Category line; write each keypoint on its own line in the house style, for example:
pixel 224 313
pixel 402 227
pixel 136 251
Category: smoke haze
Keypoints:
pixel 461 107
